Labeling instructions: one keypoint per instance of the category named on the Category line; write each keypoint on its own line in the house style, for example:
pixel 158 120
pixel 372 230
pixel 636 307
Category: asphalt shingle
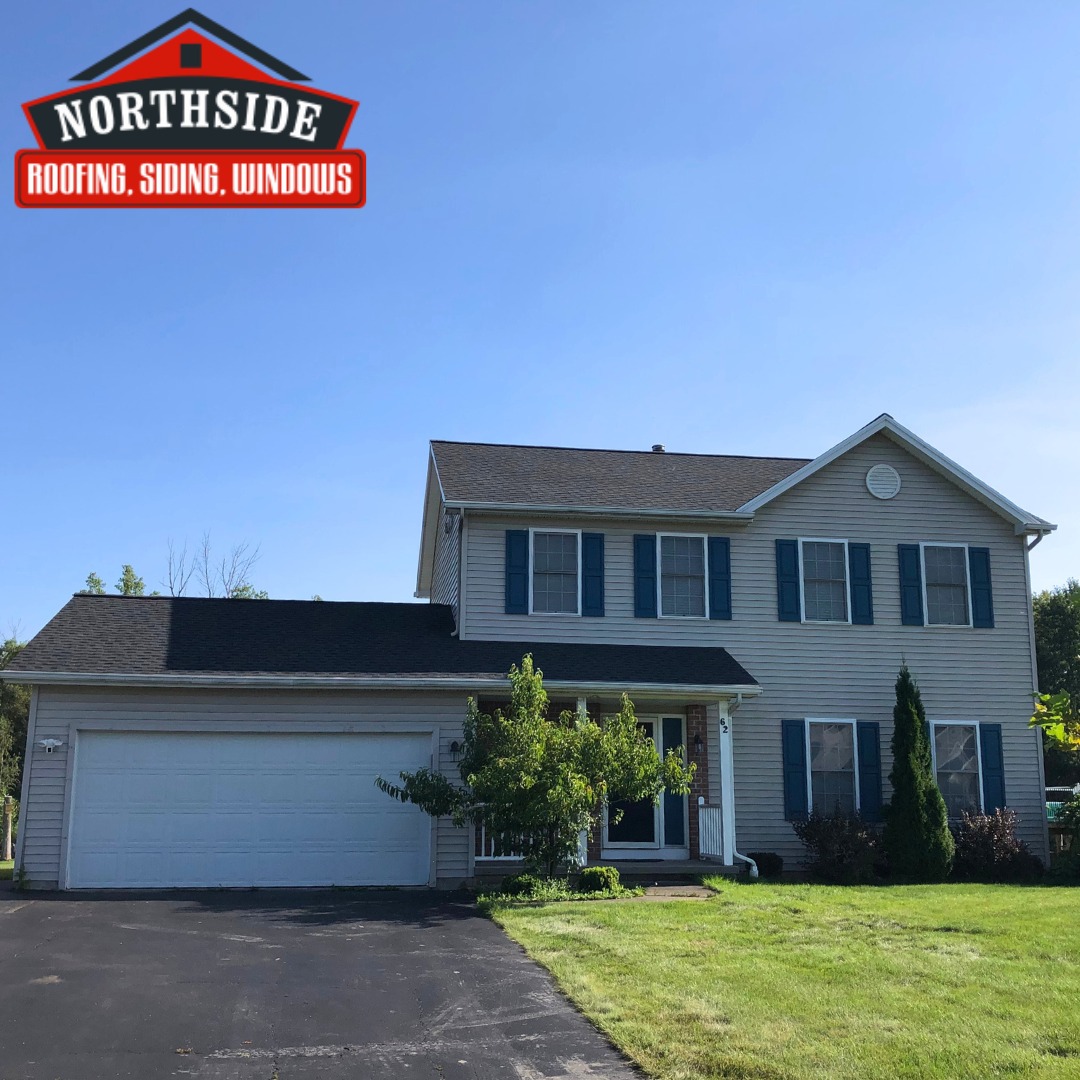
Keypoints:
pixel 616 479
pixel 192 636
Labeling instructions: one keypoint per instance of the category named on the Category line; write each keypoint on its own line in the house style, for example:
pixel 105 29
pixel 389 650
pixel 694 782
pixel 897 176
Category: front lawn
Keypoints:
pixel 6 868
pixel 780 982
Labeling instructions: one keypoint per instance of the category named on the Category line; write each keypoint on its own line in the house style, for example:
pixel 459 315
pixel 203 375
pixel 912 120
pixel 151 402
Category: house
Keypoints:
pixel 755 609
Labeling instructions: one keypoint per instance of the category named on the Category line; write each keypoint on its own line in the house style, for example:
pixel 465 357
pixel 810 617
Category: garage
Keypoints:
pixel 153 809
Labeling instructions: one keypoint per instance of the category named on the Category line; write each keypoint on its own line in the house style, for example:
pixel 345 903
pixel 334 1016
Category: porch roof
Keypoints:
pixel 195 641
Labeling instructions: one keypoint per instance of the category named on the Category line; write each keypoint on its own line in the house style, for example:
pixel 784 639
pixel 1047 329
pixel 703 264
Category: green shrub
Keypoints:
pixel 521 885
pixel 843 850
pixel 769 864
pixel 916 838
pixel 988 850
pixel 598 879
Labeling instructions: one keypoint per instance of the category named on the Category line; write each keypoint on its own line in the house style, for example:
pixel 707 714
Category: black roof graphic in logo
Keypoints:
pixel 170 26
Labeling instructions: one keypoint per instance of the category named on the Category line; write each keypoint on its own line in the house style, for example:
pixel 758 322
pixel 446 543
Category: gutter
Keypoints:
pixel 347 682
pixel 734 516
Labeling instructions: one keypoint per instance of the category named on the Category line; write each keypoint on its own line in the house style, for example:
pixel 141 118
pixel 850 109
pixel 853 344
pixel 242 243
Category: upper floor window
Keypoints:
pixel 956 756
pixel 945 585
pixel 821 580
pixel 556 572
pixel 833 779
pixel 945 577
pixel 682 576
pixel 824 580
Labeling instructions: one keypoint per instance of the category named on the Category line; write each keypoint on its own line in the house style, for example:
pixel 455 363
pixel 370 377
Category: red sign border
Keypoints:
pixel 292 204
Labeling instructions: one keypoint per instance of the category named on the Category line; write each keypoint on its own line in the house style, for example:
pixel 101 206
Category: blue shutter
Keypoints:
pixel 869 736
pixel 719 577
pixel 592 573
pixel 794 743
pixel 862 589
pixel 517 572
pixel 674 805
pixel 645 576
pixel 911 612
pixel 788 606
pixel 982 596
pixel 993 767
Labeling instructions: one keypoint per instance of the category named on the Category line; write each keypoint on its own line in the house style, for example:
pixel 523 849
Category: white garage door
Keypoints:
pixel 154 810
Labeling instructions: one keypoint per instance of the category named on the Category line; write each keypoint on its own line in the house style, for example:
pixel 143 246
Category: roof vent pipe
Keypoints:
pixel 658 448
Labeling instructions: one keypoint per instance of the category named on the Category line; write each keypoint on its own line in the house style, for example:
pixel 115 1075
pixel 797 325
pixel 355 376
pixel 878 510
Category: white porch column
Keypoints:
pixel 727 785
pixel 583 837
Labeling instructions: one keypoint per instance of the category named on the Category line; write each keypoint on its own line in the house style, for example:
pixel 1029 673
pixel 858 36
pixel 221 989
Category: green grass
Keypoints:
pixel 783 982
pixel 7 867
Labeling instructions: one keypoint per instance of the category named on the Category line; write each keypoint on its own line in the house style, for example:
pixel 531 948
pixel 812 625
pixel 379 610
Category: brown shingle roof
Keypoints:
pixel 487 473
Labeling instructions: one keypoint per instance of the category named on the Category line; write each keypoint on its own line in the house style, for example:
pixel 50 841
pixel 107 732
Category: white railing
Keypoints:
pixel 499 847
pixel 493 847
pixel 710 830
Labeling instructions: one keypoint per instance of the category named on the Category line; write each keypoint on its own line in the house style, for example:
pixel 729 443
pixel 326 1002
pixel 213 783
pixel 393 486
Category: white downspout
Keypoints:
pixel 727 787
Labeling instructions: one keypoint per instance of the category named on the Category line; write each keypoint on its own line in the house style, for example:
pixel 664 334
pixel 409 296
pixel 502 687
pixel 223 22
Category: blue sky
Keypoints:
pixel 728 227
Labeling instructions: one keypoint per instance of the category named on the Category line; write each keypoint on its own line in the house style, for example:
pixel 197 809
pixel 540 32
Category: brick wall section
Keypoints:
pixel 696 728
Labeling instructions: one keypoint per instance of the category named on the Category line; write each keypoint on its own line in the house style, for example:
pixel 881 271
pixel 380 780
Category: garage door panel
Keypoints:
pixel 209 809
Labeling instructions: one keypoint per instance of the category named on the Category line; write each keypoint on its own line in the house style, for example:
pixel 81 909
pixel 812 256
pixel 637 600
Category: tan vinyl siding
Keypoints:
pixel 446 575
pixel 61 711
pixel 834 670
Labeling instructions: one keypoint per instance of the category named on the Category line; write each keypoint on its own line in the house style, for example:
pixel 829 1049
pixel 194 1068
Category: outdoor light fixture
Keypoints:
pixel 49 745
pixel 698 745
pixel 455 748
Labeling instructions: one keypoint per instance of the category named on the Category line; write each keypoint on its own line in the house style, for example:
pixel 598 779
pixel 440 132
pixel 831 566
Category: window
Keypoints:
pixel 682 576
pixel 956 764
pixel 945 574
pixel 833 783
pixel 824 574
pixel 555 576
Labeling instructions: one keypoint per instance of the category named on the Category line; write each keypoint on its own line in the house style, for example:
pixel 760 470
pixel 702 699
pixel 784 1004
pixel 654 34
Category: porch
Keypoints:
pixel 683 836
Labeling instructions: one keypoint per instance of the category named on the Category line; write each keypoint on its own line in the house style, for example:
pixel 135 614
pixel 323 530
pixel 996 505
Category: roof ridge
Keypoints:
pixel 609 450
pixel 269 599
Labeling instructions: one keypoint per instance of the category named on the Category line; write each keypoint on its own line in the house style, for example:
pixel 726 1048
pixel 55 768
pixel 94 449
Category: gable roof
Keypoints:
pixel 193 641
pixel 1023 521
pixel 494 475
pixel 189 17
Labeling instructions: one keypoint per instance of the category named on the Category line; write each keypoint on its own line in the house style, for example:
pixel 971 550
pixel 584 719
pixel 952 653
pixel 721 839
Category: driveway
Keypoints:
pixel 275 986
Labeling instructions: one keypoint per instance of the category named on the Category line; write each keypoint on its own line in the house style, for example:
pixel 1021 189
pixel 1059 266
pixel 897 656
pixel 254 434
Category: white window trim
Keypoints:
pixel 802 581
pixel 704 538
pixel 807 721
pixel 923 545
pixel 935 724
pixel 532 572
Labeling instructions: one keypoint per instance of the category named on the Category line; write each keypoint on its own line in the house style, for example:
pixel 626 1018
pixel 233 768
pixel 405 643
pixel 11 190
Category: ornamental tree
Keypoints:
pixel 539 782
pixel 916 837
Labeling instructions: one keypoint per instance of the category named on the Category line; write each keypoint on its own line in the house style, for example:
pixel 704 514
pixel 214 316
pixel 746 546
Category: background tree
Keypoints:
pixel 130 584
pixel 538 782
pixel 1057 650
pixel 229 576
pixel 917 840
pixel 94 584
pixel 14 714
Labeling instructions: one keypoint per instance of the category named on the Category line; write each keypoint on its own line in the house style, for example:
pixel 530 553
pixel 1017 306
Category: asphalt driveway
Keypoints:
pixel 278 985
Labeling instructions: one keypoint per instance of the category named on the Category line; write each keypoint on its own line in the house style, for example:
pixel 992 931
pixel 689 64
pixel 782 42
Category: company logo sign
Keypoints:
pixel 190 115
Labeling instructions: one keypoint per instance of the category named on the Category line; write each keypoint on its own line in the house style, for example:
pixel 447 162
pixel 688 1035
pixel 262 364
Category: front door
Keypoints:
pixel 645 826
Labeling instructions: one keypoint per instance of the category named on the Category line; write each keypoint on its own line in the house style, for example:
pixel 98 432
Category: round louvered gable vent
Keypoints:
pixel 883 482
